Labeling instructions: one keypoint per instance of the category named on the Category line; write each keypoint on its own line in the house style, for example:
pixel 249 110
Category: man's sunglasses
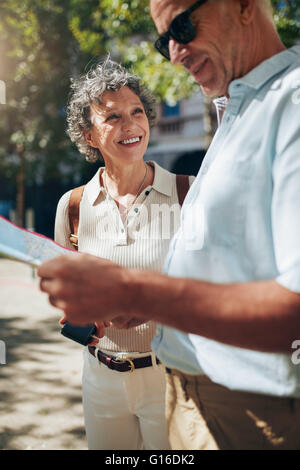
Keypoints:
pixel 181 29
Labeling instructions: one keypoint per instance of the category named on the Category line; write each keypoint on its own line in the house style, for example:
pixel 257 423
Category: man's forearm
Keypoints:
pixel 256 315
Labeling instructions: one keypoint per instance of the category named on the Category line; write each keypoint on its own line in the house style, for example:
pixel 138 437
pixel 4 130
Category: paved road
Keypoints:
pixel 40 384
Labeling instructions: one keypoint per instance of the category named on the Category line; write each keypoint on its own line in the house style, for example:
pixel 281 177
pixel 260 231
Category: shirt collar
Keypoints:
pixel 93 188
pixel 162 179
pixel 162 183
pixel 257 77
pixel 220 104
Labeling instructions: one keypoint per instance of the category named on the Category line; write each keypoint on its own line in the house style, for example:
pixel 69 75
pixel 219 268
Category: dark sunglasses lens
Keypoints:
pixel 182 29
pixel 162 46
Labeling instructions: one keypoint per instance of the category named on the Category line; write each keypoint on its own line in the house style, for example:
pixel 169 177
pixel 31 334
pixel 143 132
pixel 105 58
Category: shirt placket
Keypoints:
pixel 121 228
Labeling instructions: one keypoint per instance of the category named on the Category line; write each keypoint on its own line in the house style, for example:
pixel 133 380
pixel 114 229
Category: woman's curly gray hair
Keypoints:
pixel 89 88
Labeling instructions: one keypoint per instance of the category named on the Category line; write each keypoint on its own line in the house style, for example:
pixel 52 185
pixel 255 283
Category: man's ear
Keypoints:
pixel 247 10
pixel 88 135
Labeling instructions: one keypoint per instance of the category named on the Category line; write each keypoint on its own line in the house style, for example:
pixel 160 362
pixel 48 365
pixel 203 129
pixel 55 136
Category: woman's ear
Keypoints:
pixel 88 135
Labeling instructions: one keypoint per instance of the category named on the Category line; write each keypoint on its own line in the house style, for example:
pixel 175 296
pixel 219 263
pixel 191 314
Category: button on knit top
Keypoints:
pixel 142 242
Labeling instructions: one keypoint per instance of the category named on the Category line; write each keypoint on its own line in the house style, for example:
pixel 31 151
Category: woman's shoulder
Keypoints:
pixel 65 198
pixel 167 177
pixel 160 168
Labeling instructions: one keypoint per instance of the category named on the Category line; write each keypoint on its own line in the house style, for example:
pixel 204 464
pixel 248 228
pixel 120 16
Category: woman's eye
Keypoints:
pixel 112 116
pixel 138 110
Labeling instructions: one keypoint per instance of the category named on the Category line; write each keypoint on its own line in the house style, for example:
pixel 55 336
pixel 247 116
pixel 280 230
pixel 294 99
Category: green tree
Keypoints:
pixel 124 28
pixel 287 19
pixel 38 54
pixel 44 42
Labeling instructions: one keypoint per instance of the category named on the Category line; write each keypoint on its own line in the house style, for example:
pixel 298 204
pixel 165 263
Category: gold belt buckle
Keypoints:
pixel 124 358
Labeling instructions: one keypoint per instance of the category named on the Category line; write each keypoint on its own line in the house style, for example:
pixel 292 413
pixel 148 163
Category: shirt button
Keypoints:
pixel 122 230
pixel 136 210
pixel 147 193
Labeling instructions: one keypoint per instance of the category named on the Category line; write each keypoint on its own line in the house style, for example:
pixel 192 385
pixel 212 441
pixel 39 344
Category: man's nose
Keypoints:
pixel 177 51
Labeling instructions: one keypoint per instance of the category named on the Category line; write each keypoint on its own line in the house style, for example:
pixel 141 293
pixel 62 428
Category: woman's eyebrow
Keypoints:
pixel 107 109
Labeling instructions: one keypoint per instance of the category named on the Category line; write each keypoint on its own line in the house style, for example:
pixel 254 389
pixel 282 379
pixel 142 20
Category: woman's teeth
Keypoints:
pixel 130 141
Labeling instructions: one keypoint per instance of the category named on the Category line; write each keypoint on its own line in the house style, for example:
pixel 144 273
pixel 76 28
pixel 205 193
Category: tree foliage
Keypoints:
pixel 124 28
pixel 45 42
pixel 287 19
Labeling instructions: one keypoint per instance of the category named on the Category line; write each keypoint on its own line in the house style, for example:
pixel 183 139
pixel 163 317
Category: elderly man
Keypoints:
pixel 232 275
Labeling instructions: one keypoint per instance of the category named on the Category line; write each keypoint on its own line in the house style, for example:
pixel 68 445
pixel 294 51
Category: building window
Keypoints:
pixel 170 111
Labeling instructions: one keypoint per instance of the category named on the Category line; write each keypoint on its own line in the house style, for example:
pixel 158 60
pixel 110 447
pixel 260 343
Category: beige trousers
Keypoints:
pixel 124 410
pixel 203 415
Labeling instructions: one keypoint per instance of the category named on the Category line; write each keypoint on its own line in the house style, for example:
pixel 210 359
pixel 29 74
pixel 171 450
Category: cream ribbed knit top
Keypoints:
pixel 142 243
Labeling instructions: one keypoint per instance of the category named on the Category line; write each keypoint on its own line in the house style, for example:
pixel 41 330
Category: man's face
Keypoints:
pixel 212 57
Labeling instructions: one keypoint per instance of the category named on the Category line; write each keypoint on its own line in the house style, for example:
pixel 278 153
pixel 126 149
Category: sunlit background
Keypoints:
pixel 45 42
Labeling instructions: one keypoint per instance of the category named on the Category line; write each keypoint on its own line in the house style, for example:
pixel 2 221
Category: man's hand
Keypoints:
pixel 87 288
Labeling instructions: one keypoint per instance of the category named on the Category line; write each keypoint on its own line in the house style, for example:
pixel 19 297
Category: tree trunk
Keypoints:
pixel 20 187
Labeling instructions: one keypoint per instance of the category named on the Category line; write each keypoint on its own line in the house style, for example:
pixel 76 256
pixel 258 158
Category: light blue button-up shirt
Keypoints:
pixel 241 222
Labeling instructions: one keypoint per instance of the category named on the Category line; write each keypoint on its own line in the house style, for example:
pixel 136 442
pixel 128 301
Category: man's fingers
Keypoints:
pixel 49 268
pixel 61 304
pixel 44 284
pixel 57 288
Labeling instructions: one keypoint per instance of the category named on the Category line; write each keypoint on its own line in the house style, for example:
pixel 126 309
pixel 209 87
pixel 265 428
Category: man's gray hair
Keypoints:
pixel 89 88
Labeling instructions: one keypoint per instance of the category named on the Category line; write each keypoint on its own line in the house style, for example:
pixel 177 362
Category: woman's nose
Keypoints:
pixel 127 122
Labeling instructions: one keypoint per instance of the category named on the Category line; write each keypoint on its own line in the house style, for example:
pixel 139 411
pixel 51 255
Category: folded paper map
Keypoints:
pixel 28 247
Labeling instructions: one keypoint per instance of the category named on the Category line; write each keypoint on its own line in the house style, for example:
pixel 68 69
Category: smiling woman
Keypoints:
pixel 109 116
pixel 90 88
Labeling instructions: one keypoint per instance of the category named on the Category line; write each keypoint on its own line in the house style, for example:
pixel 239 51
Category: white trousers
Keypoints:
pixel 124 410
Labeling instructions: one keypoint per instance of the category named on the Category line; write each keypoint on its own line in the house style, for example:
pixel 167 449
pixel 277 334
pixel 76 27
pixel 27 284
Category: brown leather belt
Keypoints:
pixel 122 364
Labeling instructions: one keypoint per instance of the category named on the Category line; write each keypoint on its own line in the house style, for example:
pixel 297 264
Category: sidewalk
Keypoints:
pixel 40 384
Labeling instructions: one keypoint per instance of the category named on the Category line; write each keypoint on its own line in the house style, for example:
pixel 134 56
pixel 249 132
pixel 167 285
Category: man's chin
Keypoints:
pixel 209 92
pixel 213 91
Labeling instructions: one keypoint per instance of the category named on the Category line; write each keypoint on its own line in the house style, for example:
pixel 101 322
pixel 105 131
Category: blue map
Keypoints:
pixel 28 247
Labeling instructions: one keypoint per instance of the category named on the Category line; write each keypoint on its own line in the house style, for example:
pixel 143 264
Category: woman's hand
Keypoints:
pixel 100 332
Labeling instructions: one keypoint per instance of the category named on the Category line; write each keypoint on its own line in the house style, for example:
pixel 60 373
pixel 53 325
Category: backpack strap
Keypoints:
pixel 183 185
pixel 74 204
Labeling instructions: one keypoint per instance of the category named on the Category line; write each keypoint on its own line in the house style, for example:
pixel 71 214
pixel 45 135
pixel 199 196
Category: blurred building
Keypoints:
pixel 183 133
